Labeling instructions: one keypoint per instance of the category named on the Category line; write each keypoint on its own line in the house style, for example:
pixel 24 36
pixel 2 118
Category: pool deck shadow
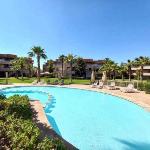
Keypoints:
pixel 40 119
pixel 48 109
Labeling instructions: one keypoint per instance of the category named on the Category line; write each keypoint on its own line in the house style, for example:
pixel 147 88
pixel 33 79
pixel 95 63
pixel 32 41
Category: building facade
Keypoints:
pixel 90 65
pixel 146 71
pixel 5 65
pixel 93 65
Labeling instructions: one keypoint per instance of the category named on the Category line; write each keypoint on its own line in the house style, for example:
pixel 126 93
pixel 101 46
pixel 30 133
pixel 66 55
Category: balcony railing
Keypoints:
pixel 146 67
pixel 137 68
pixel 4 62
pixel 146 74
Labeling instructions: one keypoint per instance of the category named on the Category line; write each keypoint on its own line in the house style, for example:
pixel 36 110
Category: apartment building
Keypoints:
pixel 93 64
pixel 90 64
pixel 146 71
pixel 5 65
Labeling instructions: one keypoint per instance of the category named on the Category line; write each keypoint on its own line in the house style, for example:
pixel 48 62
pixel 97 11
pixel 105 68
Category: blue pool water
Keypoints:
pixel 33 95
pixel 94 121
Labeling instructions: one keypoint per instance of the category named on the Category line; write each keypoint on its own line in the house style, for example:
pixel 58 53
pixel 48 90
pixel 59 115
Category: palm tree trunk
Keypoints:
pixel 141 74
pixel 122 77
pixel 62 71
pixel 109 75
pixel 129 73
pixel 38 73
pixel 22 74
pixel 71 72
pixel 114 75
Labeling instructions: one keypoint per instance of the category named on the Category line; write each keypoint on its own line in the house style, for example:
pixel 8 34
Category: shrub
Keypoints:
pixel 141 86
pixel 48 81
pixel 17 131
pixel 2 96
pixel 147 88
pixel 19 106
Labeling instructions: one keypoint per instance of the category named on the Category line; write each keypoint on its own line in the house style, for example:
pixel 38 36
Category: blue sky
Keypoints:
pixel 119 29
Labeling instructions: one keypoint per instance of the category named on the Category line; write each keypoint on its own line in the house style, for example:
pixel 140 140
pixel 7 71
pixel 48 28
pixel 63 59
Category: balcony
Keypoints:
pixel 137 68
pixel 146 74
pixel 3 62
pixel 146 67
pixel 5 69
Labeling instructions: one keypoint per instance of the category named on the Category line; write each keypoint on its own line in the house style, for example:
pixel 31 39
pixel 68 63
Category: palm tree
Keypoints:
pixel 50 66
pixel 62 59
pixel 39 53
pixel 29 66
pixel 129 65
pixel 70 59
pixel 141 61
pixel 80 67
pixel 122 70
pixel 108 67
pixel 114 68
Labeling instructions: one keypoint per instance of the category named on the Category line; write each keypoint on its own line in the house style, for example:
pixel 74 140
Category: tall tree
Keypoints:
pixel 129 66
pixel 70 59
pixel 122 70
pixel 39 53
pixel 50 66
pixel 18 65
pixel 108 67
pixel 62 59
pixel 114 69
pixel 141 62
pixel 80 67
pixel 29 66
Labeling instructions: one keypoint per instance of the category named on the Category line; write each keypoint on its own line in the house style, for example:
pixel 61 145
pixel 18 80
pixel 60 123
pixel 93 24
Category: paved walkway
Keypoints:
pixel 40 114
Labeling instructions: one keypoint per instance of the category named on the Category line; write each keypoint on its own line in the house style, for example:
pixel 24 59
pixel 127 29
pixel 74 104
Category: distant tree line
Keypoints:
pixel 78 65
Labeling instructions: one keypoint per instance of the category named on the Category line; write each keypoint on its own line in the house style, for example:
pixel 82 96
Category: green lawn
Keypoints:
pixel 67 81
pixel 15 80
pixel 30 80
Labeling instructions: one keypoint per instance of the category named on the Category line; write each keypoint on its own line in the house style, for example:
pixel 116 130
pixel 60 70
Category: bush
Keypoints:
pixel 48 81
pixel 19 106
pixel 2 96
pixel 141 86
pixel 17 131
pixel 147 88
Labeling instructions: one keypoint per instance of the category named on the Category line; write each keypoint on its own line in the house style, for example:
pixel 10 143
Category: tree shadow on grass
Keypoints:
pixel 133 145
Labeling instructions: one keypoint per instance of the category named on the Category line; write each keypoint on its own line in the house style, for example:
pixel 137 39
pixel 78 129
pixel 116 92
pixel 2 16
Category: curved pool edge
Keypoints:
pixel 126 97
pixel 44 125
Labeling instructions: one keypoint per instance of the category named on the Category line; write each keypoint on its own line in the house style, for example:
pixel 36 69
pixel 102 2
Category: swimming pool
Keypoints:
pixel 91 120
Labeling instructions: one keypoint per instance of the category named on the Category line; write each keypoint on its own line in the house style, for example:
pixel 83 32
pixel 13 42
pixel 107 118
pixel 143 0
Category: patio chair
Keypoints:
pixel 129 89
pixel 94 85
pixel 112 86
pixel 100 86
pixel 42 82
